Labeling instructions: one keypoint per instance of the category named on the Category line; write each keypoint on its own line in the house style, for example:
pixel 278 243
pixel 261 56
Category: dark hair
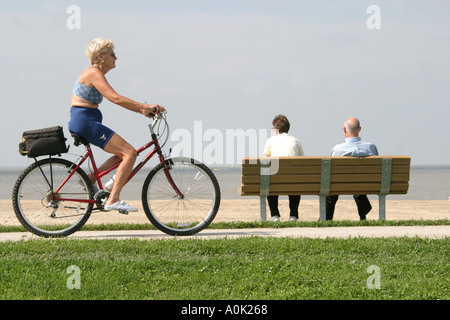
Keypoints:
pixel 281 123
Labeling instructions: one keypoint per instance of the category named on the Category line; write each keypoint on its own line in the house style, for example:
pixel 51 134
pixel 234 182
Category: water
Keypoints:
pixel 426 183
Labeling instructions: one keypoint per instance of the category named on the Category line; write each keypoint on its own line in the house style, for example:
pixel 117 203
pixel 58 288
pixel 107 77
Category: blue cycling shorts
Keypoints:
pixel 87 123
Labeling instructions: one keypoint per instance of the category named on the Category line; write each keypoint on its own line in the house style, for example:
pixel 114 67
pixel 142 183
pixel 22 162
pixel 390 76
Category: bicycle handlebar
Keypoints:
pixel 165 130
pixel 156 118
pixel 154 111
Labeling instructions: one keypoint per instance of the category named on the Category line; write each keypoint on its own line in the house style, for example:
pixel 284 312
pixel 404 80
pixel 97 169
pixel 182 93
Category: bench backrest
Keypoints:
pixel 326 175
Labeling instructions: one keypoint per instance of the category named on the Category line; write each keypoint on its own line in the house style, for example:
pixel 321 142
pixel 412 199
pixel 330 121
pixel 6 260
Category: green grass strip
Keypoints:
pixel 256 224
pixel 253 268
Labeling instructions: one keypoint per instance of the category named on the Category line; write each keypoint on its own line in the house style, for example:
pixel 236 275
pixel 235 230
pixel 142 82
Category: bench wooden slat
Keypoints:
pixel 362 177
pixel 367 169
pixel 311 178
pixel 337 188
pixel 344 161
pixel 254 169
pixel 308 193
pixel 283 170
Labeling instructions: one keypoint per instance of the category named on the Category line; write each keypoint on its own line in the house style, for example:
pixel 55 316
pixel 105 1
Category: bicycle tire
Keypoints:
pixel 32 198
pixel 181 216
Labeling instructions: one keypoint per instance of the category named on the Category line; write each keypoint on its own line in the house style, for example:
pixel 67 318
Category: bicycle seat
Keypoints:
pixel 79 140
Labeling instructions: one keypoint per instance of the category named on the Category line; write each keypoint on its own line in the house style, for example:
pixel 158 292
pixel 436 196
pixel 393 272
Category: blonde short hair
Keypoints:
pixel 97 46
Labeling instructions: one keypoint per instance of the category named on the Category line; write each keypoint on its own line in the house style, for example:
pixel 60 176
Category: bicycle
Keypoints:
pixel 54 197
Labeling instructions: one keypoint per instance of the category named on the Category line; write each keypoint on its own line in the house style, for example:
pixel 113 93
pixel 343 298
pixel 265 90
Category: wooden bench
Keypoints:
pixel 322 176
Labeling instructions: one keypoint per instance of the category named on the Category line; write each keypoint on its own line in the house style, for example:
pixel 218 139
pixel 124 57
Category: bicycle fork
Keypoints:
pixel 167 165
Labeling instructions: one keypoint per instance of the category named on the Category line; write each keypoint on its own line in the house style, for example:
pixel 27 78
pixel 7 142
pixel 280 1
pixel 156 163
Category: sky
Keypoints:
pixel 228 67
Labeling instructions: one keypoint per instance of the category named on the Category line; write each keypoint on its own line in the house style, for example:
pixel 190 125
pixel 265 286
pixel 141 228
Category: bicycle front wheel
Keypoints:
pixel 181 215
pixel 45 212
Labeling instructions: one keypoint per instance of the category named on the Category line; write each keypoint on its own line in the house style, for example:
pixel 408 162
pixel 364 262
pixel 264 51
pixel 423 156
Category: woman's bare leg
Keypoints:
pixel 124 151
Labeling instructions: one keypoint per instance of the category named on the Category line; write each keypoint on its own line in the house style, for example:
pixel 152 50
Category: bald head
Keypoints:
pixel 352 127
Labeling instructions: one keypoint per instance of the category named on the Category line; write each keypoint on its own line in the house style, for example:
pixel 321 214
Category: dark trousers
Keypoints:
pixel 294 202
pixel 362 202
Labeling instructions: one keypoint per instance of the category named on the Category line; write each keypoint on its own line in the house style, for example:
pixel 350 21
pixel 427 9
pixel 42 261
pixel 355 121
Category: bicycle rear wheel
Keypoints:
pixel 34 198
pixel 175 215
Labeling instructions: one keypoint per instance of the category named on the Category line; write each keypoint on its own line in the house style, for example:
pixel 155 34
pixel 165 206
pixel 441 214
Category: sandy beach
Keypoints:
pixel 247 209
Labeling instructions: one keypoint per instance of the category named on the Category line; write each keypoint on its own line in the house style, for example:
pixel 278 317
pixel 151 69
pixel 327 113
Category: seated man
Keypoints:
pixel 352 147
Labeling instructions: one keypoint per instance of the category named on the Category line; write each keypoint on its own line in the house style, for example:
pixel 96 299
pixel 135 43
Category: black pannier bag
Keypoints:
pixel 42 142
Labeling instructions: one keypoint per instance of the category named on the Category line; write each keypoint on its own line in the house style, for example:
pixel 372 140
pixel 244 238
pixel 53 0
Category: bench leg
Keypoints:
pixel 382 205
pixel 323 206
pixel 263 208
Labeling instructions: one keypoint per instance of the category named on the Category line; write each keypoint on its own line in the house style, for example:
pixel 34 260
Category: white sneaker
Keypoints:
pixel 120 206
pixel 275 219
pixel 292 218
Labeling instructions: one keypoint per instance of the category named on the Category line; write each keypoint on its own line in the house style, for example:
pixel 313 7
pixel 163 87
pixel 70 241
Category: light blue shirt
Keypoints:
pixel 354 147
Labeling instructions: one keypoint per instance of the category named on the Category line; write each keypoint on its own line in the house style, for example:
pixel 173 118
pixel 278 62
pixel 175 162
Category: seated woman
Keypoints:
pixel 281 144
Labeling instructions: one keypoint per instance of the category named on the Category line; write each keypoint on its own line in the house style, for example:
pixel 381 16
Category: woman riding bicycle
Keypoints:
pixel 86 118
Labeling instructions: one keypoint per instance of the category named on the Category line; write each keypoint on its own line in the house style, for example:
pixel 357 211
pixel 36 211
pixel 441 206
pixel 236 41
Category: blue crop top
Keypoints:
pixel 90 94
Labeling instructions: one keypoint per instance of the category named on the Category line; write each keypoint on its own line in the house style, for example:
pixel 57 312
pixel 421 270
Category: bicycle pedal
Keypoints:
pixel 123 212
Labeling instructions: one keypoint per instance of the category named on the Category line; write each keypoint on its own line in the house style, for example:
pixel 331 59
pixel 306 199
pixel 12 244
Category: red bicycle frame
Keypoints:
pixel 98 175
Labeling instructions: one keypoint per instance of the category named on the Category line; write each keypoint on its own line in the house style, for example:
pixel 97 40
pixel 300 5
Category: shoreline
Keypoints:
pixel 248 210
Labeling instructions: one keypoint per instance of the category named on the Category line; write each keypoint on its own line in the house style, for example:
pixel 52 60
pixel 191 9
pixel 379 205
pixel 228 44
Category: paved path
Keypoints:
pixel 432 232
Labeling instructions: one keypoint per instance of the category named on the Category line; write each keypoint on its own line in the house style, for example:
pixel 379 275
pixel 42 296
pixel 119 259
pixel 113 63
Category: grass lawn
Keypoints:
pixel 222 269
pixel 257 224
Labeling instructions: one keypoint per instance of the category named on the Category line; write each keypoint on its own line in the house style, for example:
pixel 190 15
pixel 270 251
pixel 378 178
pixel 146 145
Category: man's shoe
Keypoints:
pixel 121 206
pixel 275 219
pixel 292 218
